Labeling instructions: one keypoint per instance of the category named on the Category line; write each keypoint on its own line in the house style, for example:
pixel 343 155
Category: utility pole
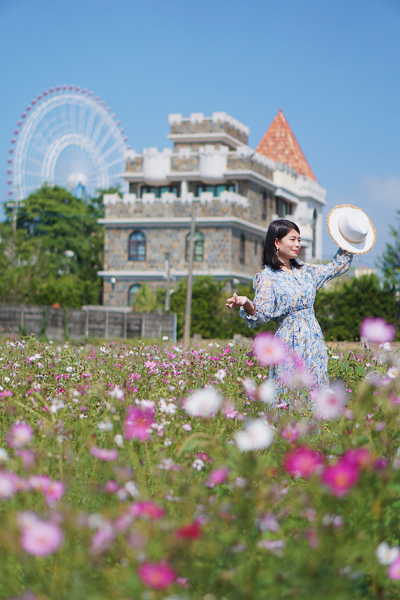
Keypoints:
pixel 14 205
pixel 167 268
pixel 186 335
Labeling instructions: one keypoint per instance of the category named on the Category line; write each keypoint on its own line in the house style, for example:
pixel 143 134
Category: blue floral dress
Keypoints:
pixel 288 299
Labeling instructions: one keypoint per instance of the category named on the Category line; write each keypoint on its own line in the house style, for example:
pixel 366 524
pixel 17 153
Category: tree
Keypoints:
pixel 341 310
pixel 58 249
pixel 210 317
pixel 389 262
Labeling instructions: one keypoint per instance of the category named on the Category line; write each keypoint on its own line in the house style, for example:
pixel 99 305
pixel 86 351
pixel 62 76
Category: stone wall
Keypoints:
pixel 59 324
pixel 217 249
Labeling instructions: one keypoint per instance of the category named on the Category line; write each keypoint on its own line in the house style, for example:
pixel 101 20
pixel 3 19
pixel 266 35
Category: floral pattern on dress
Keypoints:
pixel 288 299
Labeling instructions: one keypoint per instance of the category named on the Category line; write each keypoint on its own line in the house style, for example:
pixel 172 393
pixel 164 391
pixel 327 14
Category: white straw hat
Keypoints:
pixel 351 229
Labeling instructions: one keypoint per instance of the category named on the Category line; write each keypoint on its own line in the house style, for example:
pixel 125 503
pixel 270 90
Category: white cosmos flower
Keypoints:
pixel 220 374
pixel 392 372
pixel 266 391
pixel 117 393
pixel 198 464
pixel 386 554
pixel 256 434
pixel 167 408
pixel 329 402
pixel 203 403
pixel 3 455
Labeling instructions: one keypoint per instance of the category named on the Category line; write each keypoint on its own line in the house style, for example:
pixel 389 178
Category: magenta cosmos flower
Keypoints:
pixel 41 538
pixel 268 349
pixel 377 331
pixel 303 462
pixel 103 453
pixel 341 477
pixel 138 423
pixel 19 435
pixel 156 575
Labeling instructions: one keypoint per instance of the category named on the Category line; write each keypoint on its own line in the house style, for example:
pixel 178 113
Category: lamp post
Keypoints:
pixel 14 205
pixel 168 292
pixel 186 334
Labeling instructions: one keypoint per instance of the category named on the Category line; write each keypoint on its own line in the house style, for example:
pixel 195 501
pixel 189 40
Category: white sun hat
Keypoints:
pixel 351 229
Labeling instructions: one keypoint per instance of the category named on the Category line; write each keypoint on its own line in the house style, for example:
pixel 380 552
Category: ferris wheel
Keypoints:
pixel 66 137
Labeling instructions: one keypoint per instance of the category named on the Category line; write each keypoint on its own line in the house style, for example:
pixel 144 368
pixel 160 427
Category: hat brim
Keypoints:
pixel 332 222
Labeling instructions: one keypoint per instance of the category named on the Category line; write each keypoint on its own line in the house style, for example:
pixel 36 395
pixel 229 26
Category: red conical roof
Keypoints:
pixel 280 144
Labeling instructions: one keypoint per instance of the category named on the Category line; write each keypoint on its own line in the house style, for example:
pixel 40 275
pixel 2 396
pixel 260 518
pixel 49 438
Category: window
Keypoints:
pixel 174 188
pixel 198 247
pixel 216 190
pixel 137 246
pixel 283 208
pixel 242 253
pixel 132 293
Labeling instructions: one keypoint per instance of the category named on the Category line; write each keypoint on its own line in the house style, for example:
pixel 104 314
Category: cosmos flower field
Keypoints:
pixel 150 472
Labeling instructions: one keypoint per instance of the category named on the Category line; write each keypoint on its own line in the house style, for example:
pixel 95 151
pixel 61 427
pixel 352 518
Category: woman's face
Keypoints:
pixel 289 245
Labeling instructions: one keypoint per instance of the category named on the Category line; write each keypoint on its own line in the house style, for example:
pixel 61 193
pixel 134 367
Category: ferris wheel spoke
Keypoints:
pixel 112 149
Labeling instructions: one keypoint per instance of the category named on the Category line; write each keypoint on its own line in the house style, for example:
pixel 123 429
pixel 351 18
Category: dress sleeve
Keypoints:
pixel 264 301
pixel 322 273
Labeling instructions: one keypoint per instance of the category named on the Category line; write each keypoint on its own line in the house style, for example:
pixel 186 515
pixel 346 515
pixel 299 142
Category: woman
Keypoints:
pixel 285 293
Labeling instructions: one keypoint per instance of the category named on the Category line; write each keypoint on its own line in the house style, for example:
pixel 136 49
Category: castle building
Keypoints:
pixel 238 191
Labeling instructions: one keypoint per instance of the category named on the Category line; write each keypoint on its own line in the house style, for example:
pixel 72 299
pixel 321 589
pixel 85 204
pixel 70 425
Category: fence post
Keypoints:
pixel 22 316
pixel 87 324
pixel 125 325
pixel 106 324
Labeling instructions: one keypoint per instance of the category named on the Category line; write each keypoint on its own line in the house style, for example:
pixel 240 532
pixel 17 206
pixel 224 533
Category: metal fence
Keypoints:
pixel 94 322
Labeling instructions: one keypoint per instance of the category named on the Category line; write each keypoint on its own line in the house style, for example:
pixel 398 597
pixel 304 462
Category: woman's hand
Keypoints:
pixel 237 301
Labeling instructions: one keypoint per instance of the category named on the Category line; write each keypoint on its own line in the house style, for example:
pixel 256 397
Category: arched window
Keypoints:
pixel 198 247
pixel 242 254
pixel 132 293
pixel 137 246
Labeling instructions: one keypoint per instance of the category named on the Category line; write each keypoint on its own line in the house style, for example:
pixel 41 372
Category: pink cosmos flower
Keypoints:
pixel 296 375
pixel 156 575
pixel 217 476
pixel 19 435
pixel 138 423
pixel 103 538
pixel 268 349
pixel 377 330
pixel 111 487
pixel 303 462
pixel 41 538
pixel 394 570
pixel 250 388
pixel 103 453
pixel 54 492
pixel 360 457
pixel 147 509
pixel 291 432
pixel 7 485
pixel 340 478
pixel 329 402
pixel 27 457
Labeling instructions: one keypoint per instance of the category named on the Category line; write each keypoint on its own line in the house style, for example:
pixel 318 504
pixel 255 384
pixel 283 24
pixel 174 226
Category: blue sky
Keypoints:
pixel 332 66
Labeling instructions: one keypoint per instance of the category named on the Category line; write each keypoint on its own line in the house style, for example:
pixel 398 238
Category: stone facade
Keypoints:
pixel 236 193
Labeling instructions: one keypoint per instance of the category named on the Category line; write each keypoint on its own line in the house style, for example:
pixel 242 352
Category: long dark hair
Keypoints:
pixel 277 229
